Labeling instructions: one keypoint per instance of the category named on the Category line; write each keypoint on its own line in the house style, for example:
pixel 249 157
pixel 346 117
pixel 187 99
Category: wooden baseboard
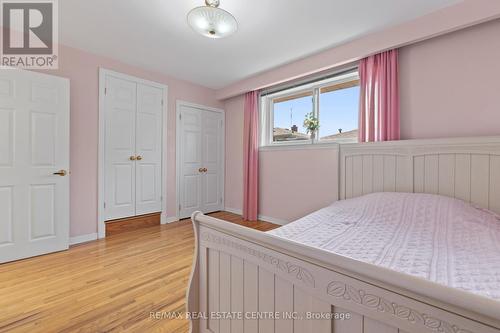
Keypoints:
pixel 114 227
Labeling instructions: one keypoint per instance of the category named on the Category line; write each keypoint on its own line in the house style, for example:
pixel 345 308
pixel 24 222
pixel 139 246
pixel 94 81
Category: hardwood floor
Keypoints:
pixel 132 223
pixel 258 225
pixel 110 285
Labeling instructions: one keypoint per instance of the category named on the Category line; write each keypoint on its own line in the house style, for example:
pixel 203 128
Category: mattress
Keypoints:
pixel 441 239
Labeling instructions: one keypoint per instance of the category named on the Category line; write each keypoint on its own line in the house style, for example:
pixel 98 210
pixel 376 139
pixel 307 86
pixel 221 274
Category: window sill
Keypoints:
pixel 301 146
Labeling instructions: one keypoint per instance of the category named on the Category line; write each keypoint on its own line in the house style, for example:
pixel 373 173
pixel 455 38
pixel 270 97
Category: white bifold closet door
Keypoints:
pixel 34 164
pixel 133 148
pixel 201 158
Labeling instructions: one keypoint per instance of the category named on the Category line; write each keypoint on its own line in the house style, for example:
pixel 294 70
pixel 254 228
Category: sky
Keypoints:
pixel 337 109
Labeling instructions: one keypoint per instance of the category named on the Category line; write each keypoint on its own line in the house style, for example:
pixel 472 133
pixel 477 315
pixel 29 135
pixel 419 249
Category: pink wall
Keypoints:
pixel 449 87
pixel 82 69
pixel 294 183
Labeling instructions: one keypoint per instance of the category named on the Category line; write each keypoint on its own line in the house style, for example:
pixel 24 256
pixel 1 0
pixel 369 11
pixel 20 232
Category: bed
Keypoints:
pixel 429 236
pixel 413 246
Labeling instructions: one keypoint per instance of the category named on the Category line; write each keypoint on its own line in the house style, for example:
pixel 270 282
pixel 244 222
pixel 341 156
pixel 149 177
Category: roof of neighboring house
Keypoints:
pixel 343 135
pixel 284 134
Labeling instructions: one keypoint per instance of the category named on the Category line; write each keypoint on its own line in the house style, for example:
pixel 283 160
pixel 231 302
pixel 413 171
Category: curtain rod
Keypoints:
pixel 318 77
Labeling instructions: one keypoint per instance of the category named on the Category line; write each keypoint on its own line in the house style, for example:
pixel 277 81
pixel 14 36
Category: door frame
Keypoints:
pixel 103 72
pixel 179 104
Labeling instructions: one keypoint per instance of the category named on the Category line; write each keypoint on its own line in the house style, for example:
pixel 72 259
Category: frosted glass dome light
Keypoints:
pixel 211 21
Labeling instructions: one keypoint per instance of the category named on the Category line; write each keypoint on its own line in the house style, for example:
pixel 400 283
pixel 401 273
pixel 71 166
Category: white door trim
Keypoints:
pixel 179 104
pixel 101 227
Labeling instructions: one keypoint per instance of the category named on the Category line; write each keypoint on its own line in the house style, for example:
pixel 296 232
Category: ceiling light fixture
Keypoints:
pixel 211 21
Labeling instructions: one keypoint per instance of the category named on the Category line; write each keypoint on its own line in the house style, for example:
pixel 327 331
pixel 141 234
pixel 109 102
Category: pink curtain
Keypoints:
pixel 251 157
pixel 379 97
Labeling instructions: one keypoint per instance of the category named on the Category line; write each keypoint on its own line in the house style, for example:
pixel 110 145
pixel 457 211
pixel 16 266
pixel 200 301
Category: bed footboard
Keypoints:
pixel 248 281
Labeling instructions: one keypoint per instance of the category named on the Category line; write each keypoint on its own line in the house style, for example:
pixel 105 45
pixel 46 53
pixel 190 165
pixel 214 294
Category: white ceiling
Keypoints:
pixel 154 34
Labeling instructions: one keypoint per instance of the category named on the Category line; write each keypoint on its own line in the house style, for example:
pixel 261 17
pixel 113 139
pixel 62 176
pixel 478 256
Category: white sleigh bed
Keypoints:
pixel 249 281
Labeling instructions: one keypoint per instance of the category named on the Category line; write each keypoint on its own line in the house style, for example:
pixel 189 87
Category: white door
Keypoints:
pixel 190 160
pixel 148 149
pixel 212 150
pixel 133 148
pixel 34 164
pixel 201 156
pixel 120 156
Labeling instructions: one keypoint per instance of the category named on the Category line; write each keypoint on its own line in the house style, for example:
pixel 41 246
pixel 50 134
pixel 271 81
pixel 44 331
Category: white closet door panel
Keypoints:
pixel 34 143
pixel 6 136
pixel 149 148
pixel 190 154
pixel 120 137
pixel 6 215
pixel 212 161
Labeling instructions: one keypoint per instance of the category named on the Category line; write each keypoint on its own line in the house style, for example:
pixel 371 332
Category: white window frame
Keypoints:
pixel 267 111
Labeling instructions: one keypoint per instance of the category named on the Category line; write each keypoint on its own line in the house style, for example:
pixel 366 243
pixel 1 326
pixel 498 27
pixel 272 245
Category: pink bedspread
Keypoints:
pixel 444 240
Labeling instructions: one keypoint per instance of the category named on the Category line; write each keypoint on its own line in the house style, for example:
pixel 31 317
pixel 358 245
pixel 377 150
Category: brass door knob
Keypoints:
pixel 200 170
pixel 205 169
pixel 133 158
pixel 139 158
pixel 61 173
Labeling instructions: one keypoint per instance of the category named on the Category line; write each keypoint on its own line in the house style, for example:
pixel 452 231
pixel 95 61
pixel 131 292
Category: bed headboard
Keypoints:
pixel 464 168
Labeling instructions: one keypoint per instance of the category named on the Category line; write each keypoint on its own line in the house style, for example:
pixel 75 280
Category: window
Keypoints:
pixel 289 113
pixel 339 107
pixel 319 112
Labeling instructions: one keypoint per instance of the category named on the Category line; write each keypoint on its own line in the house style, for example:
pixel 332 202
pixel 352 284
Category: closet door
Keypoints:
pixel 190 160
pixel 148 149
pixel 212 157
pixel 120 141
pixel 201 158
